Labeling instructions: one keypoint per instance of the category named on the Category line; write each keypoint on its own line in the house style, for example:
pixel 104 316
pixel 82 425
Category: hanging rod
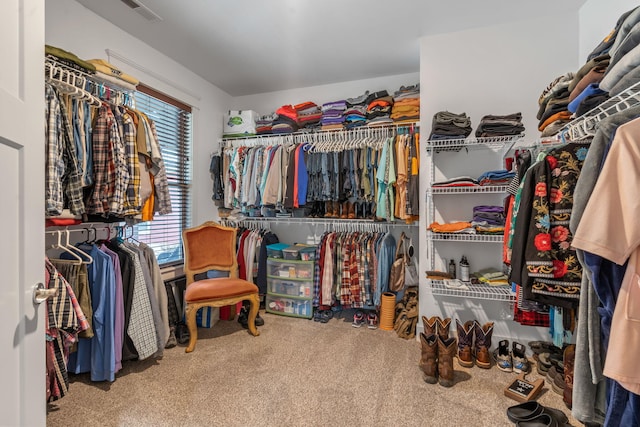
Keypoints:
pixel 394 126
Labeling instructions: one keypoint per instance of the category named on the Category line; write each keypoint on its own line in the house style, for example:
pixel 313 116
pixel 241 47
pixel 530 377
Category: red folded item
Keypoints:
pixel 59 222
pixel 288 111
pixel 305 105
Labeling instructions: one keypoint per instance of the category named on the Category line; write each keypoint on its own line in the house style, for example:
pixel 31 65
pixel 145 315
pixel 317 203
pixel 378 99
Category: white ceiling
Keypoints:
pixel 254 46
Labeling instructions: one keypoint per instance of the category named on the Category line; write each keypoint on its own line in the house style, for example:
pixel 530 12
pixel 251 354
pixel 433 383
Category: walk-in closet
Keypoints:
pixel 281 213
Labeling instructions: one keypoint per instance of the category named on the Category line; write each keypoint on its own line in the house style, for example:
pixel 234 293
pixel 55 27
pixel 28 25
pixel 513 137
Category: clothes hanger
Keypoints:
pixel 88 257
pixel 60 246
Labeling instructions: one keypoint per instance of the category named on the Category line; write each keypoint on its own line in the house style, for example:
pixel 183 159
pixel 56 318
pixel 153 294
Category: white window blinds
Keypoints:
pixel 173 124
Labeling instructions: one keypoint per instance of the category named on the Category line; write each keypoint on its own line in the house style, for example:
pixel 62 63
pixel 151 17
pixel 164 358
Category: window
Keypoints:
pixel 173 124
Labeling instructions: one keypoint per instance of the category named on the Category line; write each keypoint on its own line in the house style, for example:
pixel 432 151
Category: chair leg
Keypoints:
pixel 253 313
pixel 193 327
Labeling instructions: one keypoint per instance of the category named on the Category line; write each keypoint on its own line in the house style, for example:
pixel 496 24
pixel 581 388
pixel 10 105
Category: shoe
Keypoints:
pixel 429 358
pixel 343 210
pixel 558 385
pixel 446 352
pixel 328 210
pixel 172 341
pixel 544 364
pixel 443 327
pixel 483 344
pixel 259 320
pixel 182 333
pixel 520 361
pixel 358 319
pixel 372 321
pixel 530 414
pixel 351 213
pixel 502 357
pixel 317 315
pixel 243 318
pixel 569 360
pixel 326 316
pixel 465 343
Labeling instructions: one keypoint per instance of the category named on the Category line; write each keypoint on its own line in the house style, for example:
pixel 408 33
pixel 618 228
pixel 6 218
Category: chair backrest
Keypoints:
pixel 209 246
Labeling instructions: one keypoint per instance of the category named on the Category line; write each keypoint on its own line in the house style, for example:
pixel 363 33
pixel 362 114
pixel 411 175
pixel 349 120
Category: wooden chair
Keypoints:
pixel 212 246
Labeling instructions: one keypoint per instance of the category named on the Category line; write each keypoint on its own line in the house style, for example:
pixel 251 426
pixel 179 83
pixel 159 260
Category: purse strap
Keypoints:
pixel 401 248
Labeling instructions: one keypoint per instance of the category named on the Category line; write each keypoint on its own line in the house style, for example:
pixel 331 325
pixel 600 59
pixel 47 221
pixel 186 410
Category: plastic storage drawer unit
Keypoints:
pixel 290 269
pixel 298 288
pixel 288 306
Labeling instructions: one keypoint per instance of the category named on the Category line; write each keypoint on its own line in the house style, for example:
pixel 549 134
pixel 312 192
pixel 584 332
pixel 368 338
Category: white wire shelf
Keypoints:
pixel 455 237
pixel 320 221
pixel 481 291
pixel 495 143
pixel 469 190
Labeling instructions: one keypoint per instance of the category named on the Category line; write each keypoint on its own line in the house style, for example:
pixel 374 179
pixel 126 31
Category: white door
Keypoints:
pixel 22 333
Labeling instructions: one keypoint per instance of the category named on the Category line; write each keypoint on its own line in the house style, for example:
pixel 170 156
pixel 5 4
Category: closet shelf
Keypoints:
pixel 321 221
pixel 469 190
pixel 453 237
pixel 483 292
pixel 493 143
pixel 586 125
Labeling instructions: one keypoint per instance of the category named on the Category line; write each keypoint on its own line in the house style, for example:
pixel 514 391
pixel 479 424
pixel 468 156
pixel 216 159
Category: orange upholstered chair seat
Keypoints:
pixel 223 287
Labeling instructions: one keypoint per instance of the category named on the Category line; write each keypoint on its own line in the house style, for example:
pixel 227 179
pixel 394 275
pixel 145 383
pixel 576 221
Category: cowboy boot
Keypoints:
pixel 446 352
pixel 430 325
pixel 351 213
pixel 443 327
pixel 336 210
pixel 429 359
pixel 483 344
pixel 343 210
pixel 328 210
pixel 465 343
pixel 569 361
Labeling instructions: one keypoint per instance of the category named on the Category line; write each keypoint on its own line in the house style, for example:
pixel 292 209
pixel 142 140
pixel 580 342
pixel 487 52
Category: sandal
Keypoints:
pixel 317 316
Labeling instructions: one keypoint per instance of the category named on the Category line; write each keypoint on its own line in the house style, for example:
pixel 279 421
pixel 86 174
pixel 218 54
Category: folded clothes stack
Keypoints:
pixel 356 113
pixel 585 86
pixel 492 277
pixel 264 123
pixel 406 104
pixel 497 177
pixel 332 115
pixel 488 219
pixel 287 121
pixel 493 126
pixel 379 106
pixel 552 105
pixel 309 114
pixel 458 227
pixel 446 125
pixel 69 59
pixel 459 181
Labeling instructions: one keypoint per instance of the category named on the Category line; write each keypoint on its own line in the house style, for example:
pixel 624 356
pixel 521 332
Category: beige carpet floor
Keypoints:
pixel 296 373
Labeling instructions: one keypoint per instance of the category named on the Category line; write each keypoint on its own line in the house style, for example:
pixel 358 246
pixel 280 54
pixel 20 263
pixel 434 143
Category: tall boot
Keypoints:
pixel 569 361
pixel 351 213
pixel 328 210
pixel 429 359
pixel 335 212
pixel 443 327
pixel 446 352
pixel 465 343
pixel 483 344
pixel 344 210
pixel 430 325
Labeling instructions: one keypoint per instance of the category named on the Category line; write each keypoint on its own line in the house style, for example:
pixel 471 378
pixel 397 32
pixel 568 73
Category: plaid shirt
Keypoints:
pixel 132 204
pixel 62 178
pixel 161 184
pixel 54 199
pixel 104 167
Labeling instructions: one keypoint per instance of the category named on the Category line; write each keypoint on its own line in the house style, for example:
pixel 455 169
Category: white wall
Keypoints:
pixel 597 19
pixel 266 103
pixel 500 69
pixel 72 27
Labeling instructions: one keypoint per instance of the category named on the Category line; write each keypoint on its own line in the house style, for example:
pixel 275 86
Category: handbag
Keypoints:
pixel 410 269
pixel 398 268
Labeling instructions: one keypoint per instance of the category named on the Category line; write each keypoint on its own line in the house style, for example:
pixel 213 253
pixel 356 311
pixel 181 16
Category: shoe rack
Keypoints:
pixel 471 157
